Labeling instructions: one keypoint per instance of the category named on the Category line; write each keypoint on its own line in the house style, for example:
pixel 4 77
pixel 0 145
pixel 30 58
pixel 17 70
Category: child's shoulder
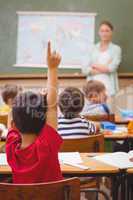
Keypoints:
pixel 50 136
pixel 13 136
pixel 62 119
pixel 48 132
pixel 47 127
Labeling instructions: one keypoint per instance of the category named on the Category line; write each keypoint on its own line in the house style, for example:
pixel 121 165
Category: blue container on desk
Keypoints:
pixel 105 125
pixel 127 114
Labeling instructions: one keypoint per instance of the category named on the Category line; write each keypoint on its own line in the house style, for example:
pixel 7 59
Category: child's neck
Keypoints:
pixel 28 139
pixel 77 116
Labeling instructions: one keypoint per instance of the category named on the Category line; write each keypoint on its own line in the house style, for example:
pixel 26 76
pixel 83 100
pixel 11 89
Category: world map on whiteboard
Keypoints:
pixel 71 35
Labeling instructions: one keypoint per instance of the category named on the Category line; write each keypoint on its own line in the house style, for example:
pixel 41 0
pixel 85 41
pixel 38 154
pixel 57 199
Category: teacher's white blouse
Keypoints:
pixel 96 56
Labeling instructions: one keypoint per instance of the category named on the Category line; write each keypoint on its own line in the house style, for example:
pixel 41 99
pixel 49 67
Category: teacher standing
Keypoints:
pixel 104 60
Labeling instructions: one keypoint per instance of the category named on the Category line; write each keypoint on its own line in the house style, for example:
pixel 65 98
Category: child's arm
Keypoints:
pixel 53 61
pixel 94 128
pixel 97 125
pixel 9 120
pixel 10 123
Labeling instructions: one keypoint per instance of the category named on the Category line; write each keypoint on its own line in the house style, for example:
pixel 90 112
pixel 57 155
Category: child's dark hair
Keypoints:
pixel 29 112
pixel 10 91
pixel 93 87
pixel 71 102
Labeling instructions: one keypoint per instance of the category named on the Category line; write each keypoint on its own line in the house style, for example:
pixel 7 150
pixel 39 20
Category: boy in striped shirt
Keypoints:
pixel 70 124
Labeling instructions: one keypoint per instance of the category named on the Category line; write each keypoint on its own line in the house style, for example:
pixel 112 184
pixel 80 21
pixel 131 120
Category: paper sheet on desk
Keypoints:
pixel 118 159
pixel 70 157
pixel 3 160
pixel 120 129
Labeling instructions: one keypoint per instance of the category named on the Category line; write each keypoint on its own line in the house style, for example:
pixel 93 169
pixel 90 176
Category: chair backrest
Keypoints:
pixel 4 119
pixel 110 117
pixel 68 189
pixel 94 143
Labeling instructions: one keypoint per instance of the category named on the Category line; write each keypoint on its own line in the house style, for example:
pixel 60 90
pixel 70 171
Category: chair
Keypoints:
pixel 93 143
pixel 99 118
pixel 97 191
pixel 68 189
pixel 4 119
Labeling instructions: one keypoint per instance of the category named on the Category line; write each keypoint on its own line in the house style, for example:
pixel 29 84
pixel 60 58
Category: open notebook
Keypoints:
pixel 3 160
pixel 73 159
pixel 117 159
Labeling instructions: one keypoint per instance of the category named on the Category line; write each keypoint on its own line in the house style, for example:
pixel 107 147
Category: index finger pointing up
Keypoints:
pixel 49 49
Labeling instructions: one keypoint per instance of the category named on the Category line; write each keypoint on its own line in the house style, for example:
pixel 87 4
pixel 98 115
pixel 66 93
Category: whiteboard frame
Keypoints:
pixel 55 13
pixel 52 13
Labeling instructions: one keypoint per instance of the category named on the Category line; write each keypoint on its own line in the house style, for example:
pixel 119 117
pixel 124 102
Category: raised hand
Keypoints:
pixel 53 58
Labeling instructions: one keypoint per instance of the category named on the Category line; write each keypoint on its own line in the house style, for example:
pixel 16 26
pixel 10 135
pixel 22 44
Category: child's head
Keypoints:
pixel 29 112
pixel 9 92
pixel 71 102
pixel 95 91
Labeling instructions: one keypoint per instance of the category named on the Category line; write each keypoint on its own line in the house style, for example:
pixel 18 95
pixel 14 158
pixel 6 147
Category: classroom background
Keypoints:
pixel 118 12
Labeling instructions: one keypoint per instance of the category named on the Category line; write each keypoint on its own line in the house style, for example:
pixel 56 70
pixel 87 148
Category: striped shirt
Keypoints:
pixel 75 128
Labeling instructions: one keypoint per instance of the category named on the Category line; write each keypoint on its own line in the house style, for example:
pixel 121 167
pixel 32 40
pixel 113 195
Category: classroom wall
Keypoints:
pixel 119 12
pixel 39 82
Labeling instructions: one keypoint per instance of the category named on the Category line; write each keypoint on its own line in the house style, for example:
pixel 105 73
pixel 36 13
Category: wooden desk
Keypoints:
pixel 130 171
pixel 96 169
pixel 119 120
pixel 5 170
pixel 120 136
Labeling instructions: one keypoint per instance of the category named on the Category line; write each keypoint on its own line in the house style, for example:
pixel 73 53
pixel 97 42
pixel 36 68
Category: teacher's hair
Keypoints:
pixel 107 23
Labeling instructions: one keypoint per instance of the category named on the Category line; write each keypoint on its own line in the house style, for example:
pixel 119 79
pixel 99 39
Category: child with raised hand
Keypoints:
pixel 32 144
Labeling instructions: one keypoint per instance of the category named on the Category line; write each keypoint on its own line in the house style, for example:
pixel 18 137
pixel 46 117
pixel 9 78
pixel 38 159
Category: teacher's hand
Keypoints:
pixel 100 68
pixel 94 71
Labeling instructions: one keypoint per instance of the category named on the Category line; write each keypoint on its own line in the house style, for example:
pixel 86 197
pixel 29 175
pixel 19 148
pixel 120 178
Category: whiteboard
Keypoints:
pixel 71 34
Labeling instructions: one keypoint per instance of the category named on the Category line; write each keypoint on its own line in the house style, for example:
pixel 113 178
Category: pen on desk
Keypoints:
pixel 76 165
pixel 92 155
